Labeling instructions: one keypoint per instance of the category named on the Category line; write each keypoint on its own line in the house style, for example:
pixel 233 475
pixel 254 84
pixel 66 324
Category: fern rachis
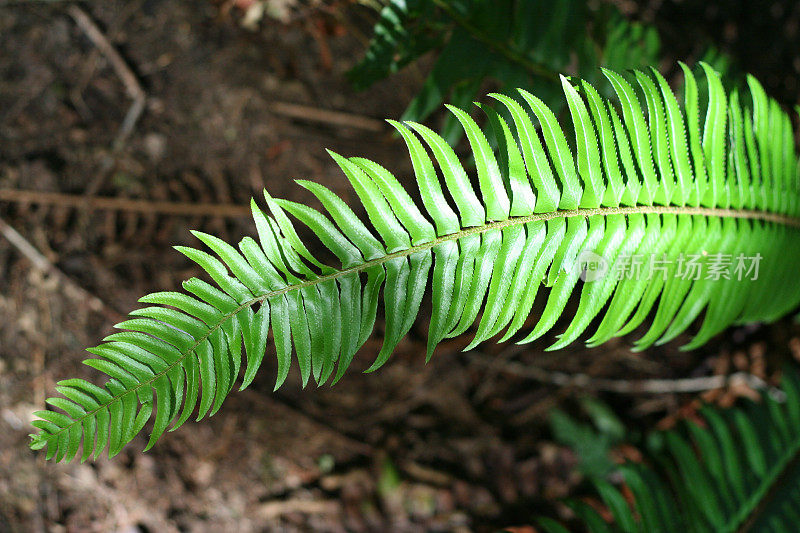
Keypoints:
pixel 636 183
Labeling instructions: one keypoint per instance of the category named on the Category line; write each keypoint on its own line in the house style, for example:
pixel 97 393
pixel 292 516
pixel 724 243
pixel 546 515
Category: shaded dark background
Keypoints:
pixel 762 37
pixel 454 445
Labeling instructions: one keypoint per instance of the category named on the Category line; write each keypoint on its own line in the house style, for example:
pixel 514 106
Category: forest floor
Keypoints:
pixel 459 444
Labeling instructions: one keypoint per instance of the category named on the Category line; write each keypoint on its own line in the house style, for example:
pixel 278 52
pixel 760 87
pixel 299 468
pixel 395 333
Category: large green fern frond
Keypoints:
pixel 732 470
pixel 641 183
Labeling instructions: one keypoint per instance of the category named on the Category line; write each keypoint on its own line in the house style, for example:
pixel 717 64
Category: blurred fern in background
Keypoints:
pixel 513 43
pixel 727 470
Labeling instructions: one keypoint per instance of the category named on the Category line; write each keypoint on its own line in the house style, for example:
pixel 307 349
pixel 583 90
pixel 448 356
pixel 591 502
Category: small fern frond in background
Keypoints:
pixel 518 44
pixel 669 184
pixel 591 443
pixel 732 470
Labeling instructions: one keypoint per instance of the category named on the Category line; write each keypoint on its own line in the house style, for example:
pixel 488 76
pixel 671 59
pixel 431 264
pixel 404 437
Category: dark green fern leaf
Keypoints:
pixel 736 470
pixel 399 38
pixel 650 181
pixel 518 44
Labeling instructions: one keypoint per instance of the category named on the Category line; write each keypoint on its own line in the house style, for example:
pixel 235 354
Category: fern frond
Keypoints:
pixel 733 470
pixel 645 181
pixel 396 41
pixel 515 43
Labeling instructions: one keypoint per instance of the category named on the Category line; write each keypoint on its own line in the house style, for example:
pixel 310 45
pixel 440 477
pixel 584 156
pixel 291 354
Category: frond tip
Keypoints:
pixel 644 215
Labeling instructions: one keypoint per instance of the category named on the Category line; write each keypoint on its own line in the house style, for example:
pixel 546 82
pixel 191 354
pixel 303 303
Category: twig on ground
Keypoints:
pixel 326 116
pixel 129 80
pixel 27 249
pixel 40 262
pixel 626 386
pixel 101 203
pixel 278 508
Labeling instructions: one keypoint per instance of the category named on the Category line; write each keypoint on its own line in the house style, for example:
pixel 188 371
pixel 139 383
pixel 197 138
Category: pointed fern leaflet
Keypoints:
pixel 641 180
